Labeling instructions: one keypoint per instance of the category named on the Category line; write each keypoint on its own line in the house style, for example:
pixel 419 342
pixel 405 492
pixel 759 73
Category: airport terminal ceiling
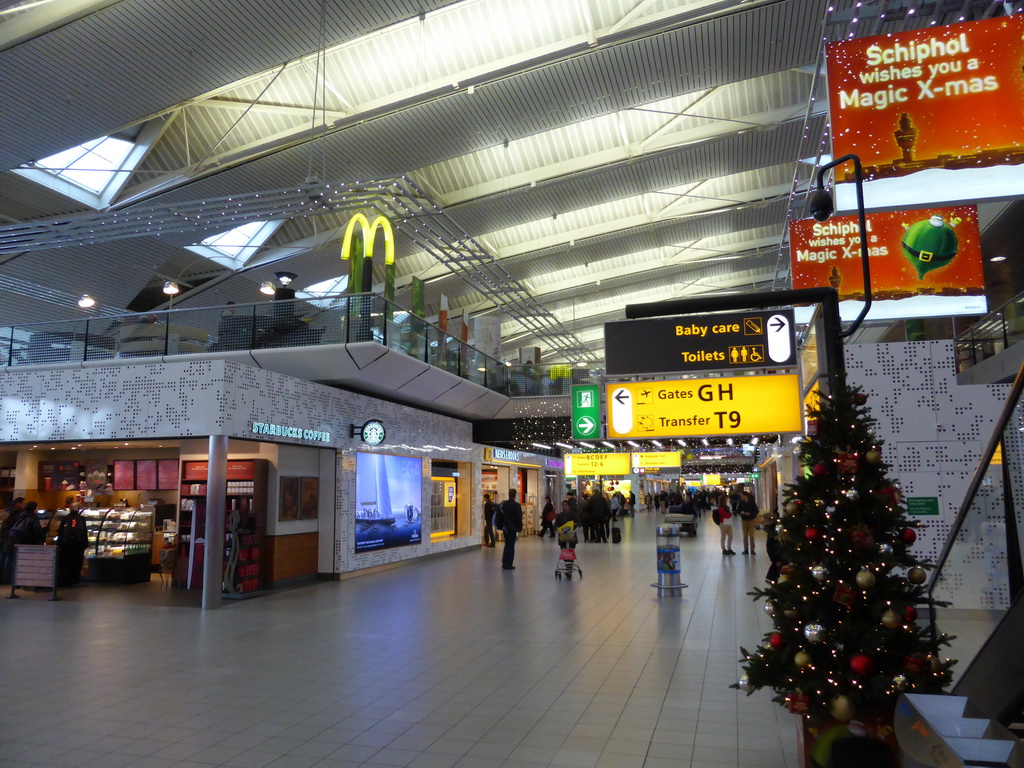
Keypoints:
pixel 594 152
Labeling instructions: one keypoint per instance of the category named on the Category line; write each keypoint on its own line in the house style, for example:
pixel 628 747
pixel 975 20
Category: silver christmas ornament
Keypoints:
pixel 885 549
pixel 830 509
pixel 899 682
pixel 744 683
pixel 769 609
pixel 819 572
pixel 853 494
pixel 815 633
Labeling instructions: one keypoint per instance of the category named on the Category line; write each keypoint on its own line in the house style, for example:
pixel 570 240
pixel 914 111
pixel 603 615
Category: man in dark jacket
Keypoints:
pixel 513 514
pixel 10 517
pixel 595 512
pixel 488 521
pixel 748 513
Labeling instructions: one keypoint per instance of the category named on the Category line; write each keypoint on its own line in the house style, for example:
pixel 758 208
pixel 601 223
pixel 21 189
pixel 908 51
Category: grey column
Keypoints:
pixel 216 497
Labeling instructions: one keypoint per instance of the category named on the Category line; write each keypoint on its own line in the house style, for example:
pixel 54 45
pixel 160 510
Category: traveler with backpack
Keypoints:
pixel 723 518
pixel 72 541
pixel 511 525
pixel 547 519
pixel 9 518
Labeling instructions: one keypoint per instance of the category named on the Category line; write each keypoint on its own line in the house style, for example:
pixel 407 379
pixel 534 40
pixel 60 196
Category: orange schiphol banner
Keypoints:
pixel 932 254
pixel 936 114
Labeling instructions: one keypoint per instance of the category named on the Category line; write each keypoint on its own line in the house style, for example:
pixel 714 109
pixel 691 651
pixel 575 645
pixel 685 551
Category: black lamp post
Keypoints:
pixel 822 208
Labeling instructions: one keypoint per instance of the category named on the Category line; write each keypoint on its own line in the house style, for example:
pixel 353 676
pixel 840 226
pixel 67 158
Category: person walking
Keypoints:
pixel 488 521
pixel 547 518
pixel 597 512
pixel 512 512
pixel 616 505
pixel 725 522
pixel 567 515
pixel 748 519
pixel 72 541
pixel 9 518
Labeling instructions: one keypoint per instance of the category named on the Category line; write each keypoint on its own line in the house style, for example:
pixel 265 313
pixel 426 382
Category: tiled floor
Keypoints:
pixel 451 662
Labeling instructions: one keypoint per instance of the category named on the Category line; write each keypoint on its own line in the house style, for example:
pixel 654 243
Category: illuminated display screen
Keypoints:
pixel 934 114
pixel 924 262
pixel 388 497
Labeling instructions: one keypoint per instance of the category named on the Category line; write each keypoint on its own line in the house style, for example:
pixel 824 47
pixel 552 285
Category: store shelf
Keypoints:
pixel 120 544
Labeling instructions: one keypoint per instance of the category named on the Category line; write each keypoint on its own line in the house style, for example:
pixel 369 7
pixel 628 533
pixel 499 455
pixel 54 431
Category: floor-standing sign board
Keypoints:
pixel 694 407
pixel 586 412
pixel 732 340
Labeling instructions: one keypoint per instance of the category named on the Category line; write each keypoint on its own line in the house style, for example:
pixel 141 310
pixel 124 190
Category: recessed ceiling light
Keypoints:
pixel 997 259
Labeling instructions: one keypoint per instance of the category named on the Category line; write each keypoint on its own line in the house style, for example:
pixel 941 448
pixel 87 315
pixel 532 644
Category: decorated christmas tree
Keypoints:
pixel 845 641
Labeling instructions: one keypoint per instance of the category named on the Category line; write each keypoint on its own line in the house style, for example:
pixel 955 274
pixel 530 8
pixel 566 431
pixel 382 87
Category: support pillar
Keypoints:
pixel 216 499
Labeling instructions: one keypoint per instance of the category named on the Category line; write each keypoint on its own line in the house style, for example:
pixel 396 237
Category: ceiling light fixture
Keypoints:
pixel 171 288
pixel 86 301
pixel 267 288
pixel 705 441
pixel 635 445
pixel 586 445
pixel 997 259
pixel 581 364
pixel 657 443
pixel 541 445
pixel 285 277
pixel 564 445
pixel 605 442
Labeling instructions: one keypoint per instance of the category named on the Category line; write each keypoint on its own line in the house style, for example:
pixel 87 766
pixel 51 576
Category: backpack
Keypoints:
pixel 23 531
pixel 715 517
pixel 499 518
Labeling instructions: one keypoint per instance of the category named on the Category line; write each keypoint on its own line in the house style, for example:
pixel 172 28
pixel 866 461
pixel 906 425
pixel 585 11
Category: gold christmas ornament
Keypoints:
pixel 891 620
pixel 917 575
pixel 802 659
pixel 865 579
pixel 873 457
pixel 841 708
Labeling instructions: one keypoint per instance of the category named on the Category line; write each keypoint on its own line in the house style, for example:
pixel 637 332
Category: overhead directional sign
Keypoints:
pixel 586 412
pixel 656 460
pixel 596 464
pixel 734 340
pixel 694 407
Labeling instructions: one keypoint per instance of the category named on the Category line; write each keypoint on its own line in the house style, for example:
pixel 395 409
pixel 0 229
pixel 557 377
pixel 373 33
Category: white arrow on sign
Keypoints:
pixel 622 411
pixel 780 343
pixel 585 425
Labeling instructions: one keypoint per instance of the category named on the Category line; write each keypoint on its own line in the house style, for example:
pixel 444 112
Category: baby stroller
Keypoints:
pixel 567 562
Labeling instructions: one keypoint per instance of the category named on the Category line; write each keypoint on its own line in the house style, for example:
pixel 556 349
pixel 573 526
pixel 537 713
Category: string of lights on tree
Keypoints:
pixel 844 607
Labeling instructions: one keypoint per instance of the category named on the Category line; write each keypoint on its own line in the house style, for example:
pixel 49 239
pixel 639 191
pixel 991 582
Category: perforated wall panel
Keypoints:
pixel 934 433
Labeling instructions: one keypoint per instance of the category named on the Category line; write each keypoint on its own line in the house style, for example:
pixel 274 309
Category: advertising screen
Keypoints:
pixel 934 114
pixel 389 490
pixel 924 262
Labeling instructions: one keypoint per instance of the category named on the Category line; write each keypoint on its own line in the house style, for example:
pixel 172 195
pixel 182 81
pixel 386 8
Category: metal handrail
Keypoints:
pixel 994 443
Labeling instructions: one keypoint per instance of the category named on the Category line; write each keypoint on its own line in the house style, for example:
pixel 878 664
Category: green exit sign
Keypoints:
pixel 586 412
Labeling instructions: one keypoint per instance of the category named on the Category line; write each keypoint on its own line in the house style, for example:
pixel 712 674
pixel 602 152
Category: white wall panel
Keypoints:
pixel 934 433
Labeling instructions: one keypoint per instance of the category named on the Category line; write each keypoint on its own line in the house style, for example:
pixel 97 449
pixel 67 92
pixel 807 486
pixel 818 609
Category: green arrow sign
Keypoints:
pixel 586 412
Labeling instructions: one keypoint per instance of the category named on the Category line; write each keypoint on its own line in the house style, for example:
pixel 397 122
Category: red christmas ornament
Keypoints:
pixel 910 613
pixel 812 534
pixel 915 664
pixel 862 537
pixel 908 535
pixel 819 469
pixel 860 398
pixel 890 495
pixel 862 665
pixel 776 641
pixel 847 462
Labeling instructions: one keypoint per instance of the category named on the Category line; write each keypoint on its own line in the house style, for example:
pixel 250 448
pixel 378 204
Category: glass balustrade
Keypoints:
pixel 342 319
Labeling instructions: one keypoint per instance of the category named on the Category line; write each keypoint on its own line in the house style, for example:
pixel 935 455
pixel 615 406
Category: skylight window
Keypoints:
pixel 334 285
pixel 92 165
pixel 95 172
pixel 232 249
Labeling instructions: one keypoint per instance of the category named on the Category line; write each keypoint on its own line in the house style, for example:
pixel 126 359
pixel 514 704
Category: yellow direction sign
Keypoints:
pixel 693 407
pixel 596 463
pixel 656 460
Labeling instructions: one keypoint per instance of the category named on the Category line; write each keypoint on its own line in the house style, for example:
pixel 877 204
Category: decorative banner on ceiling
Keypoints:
pixel 924 262
pixel 934 114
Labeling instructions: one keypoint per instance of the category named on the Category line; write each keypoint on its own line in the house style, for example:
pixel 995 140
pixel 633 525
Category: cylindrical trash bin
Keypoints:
pixel 668 561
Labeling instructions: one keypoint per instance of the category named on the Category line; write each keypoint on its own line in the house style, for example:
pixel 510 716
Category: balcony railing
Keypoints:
pixel 995 332
pixel 278 324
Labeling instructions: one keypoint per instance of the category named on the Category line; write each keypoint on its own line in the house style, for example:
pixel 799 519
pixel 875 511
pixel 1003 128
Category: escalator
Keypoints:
pixel 979 573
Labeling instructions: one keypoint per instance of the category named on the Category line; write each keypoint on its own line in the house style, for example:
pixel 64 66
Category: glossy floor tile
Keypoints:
pixel 448 663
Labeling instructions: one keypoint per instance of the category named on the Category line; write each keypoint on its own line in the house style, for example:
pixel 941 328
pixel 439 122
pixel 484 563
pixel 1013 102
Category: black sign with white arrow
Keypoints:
pixel 722 341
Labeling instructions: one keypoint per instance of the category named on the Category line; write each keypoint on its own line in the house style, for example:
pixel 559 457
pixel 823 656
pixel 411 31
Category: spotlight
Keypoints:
pixel 267 288
pixel 171 288
pixel 582 364
pixel 86 301
pixel 285 277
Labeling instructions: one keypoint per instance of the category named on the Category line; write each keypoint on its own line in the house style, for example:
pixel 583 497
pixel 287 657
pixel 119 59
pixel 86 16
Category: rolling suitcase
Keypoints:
pixel 616 535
